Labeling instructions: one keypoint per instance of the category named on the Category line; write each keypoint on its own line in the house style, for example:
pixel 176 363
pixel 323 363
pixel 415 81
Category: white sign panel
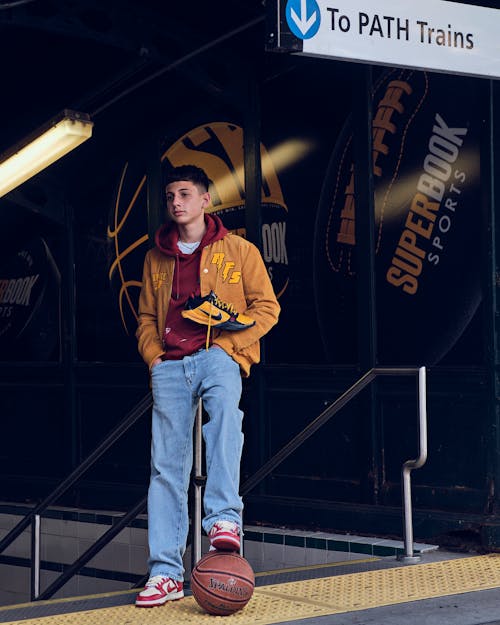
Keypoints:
pixel 425 34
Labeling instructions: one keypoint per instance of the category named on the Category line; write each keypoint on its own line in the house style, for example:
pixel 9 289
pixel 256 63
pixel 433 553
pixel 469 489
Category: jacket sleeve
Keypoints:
pixel 262 305
pixel 149 343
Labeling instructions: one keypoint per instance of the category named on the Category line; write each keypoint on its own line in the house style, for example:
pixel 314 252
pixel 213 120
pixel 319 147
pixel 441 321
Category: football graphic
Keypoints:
pixel 427 222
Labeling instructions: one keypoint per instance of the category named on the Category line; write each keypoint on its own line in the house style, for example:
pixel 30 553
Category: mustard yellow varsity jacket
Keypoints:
pixel 231 267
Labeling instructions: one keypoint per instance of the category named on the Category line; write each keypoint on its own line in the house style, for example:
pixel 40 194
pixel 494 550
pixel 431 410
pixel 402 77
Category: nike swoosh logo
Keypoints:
pixel 216 317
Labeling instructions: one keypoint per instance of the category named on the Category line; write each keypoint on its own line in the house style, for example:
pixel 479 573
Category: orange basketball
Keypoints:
pixel 222 582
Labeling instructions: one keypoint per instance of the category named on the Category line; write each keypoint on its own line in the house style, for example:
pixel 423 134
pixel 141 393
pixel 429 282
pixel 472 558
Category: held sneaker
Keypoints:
pixel 225 535
pixel 210 310
pixel 159 590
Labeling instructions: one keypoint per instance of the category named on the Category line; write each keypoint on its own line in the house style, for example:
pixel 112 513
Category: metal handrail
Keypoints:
pixel 339 403
pixel 198 481
pixel 410 465
pixel 94 549
pixel 33 516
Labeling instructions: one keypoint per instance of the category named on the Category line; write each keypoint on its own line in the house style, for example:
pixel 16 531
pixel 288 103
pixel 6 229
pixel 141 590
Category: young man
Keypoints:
pixel 205 302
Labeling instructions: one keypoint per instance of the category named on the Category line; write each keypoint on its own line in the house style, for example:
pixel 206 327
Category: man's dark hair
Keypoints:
pixel 194 174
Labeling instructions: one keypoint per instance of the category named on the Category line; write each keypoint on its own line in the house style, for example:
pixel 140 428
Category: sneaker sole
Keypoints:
pixel 232 325
pixel 226 544
pixel 155 602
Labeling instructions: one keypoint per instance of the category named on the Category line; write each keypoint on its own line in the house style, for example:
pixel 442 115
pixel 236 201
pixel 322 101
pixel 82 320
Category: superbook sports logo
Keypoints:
pixel 431 193
pixel 18 290
pixel 427 221
pixel 425 215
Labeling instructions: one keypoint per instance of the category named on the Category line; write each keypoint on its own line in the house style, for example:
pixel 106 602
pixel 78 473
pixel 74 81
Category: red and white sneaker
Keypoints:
pixel 225 535
pixel 159 590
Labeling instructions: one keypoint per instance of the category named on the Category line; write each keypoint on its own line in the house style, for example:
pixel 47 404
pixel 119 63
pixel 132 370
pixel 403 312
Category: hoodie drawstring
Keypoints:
pixel 177 275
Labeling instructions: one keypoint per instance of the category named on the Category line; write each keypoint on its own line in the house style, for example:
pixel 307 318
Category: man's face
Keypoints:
pixel 185 202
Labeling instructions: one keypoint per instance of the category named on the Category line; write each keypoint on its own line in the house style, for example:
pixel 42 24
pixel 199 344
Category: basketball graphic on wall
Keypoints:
pixel 217 147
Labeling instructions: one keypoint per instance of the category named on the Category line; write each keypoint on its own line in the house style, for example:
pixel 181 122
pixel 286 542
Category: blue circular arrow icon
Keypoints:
pixel 303 17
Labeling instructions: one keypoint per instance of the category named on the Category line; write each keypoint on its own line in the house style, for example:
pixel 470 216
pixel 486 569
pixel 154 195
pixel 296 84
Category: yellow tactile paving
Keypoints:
pixel 311 598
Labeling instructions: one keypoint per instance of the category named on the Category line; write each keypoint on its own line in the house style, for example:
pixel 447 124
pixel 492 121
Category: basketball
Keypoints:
pixel 222 582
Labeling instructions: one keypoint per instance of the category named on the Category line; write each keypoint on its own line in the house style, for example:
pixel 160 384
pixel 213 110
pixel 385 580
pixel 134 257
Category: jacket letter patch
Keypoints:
pixel 227 267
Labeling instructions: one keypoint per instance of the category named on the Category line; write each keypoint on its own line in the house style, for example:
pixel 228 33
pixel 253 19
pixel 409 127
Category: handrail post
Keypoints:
pixel 198 481
pixel 35 557
pixel 409 465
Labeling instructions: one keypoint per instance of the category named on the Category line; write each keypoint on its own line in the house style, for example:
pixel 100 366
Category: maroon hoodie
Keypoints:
pixel 183 336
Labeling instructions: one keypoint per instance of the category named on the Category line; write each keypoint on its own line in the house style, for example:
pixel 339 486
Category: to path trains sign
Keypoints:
pixel 430 34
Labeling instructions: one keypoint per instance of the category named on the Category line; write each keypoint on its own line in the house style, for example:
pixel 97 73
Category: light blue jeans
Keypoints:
pixel 177 384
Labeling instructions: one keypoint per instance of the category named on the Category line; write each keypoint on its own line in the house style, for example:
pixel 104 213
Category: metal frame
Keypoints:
pixel 339 403
pixel 34 516
pixel 410 465
pixel 300 438
pixel 199 481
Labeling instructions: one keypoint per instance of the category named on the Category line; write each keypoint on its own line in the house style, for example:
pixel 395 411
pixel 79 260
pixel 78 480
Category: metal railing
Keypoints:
pixel 410 465
pixel 337 405
pixel 33 517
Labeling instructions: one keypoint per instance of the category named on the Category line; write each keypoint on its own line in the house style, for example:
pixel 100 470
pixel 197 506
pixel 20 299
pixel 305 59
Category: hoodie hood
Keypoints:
pixel 167 236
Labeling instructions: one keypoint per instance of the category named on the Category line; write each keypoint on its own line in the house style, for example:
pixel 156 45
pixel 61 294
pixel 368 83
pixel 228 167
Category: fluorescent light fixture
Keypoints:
pixel 42 148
